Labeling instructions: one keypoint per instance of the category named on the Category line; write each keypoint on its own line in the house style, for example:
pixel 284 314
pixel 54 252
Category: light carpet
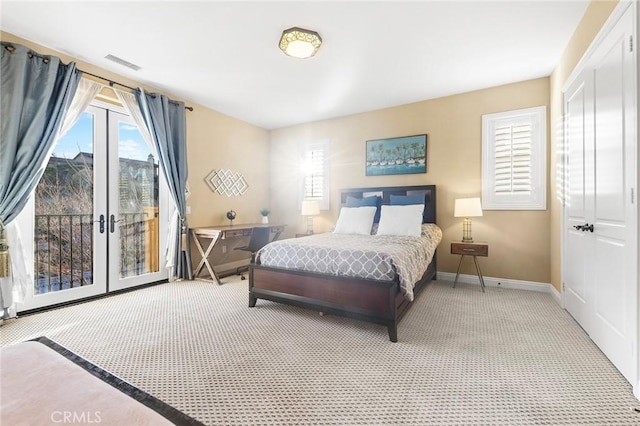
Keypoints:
pixel 504 357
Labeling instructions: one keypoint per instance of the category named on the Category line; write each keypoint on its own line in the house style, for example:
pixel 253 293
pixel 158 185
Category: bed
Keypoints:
pixel 381 298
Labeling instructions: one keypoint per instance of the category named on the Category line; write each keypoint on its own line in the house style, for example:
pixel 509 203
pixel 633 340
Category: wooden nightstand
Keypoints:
pixel 470 249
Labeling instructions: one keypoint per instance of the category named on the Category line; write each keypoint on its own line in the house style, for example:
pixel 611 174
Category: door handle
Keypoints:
pixel 112 223
pixel 101 222
pixel 584 228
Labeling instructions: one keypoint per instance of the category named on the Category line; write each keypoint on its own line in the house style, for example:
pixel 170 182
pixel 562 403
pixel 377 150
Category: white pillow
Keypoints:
pixel 401 220
pixel 355 220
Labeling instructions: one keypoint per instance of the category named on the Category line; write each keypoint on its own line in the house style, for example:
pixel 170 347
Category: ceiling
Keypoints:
pixel 224 55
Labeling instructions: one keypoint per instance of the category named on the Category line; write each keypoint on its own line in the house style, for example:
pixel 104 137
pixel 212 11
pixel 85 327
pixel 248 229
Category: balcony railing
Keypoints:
pixel 64 248
pixel 63 251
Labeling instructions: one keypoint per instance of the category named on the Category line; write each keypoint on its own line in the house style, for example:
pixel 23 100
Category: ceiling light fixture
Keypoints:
pixel 300 43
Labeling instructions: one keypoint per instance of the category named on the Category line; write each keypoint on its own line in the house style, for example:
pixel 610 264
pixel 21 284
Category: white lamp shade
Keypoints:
pixel 310 208
pixel 467 207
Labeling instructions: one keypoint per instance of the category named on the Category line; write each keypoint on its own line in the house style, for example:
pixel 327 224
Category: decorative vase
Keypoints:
pixel 265 219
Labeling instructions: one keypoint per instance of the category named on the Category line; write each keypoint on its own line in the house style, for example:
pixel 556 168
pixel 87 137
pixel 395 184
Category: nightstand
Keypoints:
pixel 470 249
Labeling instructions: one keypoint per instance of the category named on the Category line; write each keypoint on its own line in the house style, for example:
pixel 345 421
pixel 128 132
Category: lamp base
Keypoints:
pixel 309 225
pixel 466 231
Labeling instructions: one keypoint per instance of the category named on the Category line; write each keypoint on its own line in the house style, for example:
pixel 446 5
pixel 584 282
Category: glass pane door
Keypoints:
pixel 95 222
pixel 61 224
pixel 136 231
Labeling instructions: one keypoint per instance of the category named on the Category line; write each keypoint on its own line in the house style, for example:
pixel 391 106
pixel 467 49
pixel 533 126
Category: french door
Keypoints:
pixel 137 206
pixel 97 220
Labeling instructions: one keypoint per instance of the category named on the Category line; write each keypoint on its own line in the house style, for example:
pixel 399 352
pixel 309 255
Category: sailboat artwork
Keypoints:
pixel 397 156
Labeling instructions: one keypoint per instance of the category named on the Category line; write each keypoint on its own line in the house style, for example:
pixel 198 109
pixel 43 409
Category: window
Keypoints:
pixel 315 173
pixel 514 151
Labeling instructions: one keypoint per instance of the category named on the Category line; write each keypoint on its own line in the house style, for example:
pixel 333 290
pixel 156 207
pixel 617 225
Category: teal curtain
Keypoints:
pixel 166 122
pixel 36 93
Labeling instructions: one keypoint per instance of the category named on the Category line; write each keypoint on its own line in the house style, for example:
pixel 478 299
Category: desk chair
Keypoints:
pixel 259 239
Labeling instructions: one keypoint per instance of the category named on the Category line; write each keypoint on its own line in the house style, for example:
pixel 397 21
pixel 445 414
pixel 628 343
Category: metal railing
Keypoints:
pixel 63 252
pixel 63 255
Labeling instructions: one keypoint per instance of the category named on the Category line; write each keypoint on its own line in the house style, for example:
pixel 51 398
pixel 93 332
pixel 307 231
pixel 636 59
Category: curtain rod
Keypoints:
pixel 11 49
pixel 111 83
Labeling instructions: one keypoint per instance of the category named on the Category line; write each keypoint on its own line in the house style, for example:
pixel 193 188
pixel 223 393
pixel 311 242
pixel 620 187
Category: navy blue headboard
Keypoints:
pixel 429 191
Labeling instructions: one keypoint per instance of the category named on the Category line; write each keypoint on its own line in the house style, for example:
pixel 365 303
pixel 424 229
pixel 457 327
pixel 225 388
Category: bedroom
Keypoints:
pixel 525 246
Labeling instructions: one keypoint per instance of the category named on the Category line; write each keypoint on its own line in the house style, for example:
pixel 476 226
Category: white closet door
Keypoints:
pixel 578 248
pixel 600 287
pixel 615 291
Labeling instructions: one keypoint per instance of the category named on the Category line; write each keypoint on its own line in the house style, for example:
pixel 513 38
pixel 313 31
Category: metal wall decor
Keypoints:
pixel 227 182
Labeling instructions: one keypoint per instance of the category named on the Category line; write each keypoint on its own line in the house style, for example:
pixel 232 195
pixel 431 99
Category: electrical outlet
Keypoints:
pixel 188 209
pixel 224 249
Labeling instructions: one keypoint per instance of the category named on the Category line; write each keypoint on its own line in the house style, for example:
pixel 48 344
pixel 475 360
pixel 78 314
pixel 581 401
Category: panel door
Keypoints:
pixel 600 252
pixel 613 327
pixel 578 245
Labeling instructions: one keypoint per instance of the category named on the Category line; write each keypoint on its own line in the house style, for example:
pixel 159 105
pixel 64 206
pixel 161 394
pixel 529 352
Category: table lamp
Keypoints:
pixel 467 208
pixel 309 209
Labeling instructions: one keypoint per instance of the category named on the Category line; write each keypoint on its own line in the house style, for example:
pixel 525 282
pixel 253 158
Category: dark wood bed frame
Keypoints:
pixel 370 300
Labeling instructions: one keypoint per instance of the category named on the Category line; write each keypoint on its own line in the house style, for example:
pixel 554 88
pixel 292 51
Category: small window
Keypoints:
pixel 514 152
pixel 315 173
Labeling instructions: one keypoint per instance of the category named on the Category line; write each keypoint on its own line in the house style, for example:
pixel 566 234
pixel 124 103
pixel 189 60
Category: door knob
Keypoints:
pixel 578 227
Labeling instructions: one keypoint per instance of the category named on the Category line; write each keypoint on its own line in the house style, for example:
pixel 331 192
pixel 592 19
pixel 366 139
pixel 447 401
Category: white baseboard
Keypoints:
pixel 556 294
pixel 502 282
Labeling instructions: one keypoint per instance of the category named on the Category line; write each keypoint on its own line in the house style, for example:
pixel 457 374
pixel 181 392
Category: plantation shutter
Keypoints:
pixel 514 169
pixel 513 159
pixel 314 179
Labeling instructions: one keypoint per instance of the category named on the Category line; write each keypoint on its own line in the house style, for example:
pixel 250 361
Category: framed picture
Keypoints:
pixel 397 156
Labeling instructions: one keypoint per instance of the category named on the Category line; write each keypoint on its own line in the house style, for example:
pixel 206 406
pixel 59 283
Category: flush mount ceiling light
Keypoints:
pixel 300 43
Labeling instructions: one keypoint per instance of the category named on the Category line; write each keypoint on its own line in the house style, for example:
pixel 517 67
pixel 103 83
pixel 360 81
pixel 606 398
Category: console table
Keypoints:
pixel 215 234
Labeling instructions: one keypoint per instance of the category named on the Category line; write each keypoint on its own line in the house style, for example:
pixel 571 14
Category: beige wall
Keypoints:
pixel 519 240
pixel 214 141
pixel 218 141
pixel 524 245
pixel 592 21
